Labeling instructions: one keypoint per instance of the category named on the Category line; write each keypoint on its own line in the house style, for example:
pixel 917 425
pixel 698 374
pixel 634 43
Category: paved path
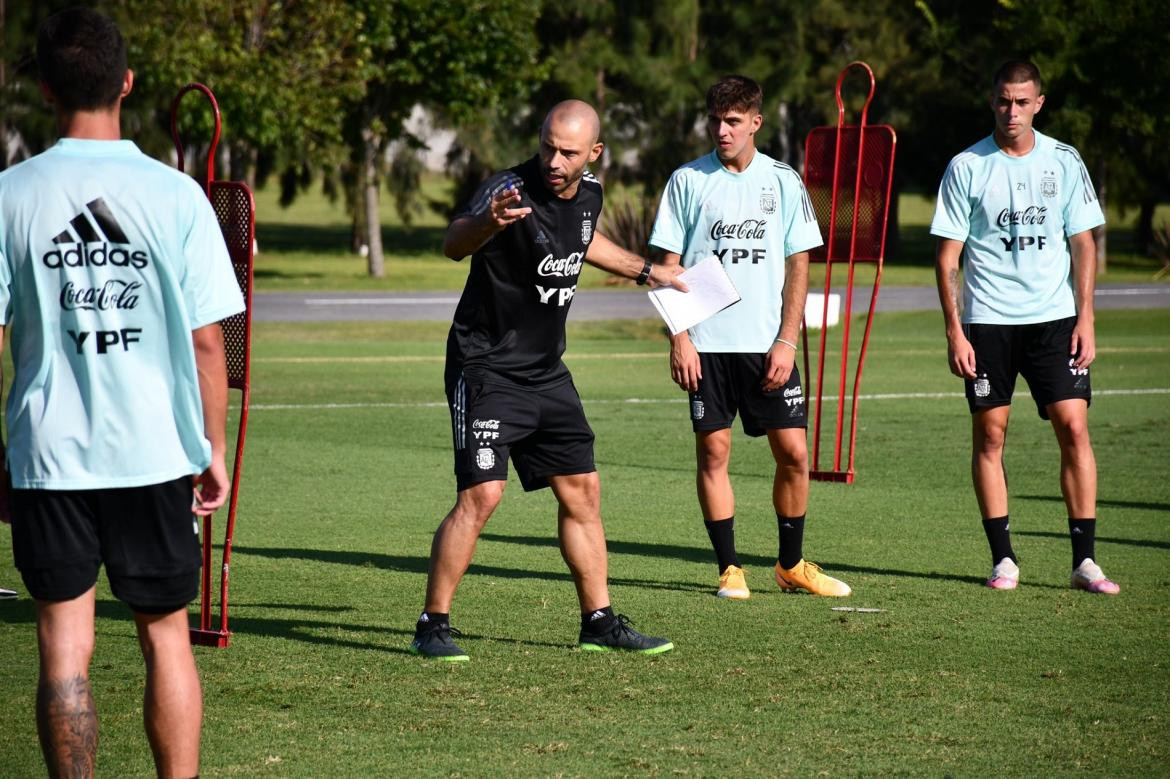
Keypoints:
pixel 601 304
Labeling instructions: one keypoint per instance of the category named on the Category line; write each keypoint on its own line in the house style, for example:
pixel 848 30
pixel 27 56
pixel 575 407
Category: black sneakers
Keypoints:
pixel 433 640
pixel 620 636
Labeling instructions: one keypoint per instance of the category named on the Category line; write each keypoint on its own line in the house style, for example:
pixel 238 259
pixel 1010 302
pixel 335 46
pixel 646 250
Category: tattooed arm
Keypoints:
pixel 960 354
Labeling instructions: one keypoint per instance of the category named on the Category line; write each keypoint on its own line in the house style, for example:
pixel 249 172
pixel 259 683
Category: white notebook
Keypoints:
pixel 710 291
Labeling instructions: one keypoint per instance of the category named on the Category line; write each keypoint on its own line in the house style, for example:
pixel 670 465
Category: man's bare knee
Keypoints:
pixel 477 503
pixel 713 452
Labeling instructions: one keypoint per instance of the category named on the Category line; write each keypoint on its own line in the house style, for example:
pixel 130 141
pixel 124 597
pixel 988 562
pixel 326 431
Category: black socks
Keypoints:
pixel 999 539
pixel 791 540
pixel 428 619
pixel 722 535
pixel 597 621
pixel 1083 533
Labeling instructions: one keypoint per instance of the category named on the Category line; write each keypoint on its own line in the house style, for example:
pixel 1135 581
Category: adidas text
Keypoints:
pixel 84 257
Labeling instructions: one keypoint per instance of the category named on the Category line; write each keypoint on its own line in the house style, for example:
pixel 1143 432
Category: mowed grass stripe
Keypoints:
pixel 656 355
pixel 651 401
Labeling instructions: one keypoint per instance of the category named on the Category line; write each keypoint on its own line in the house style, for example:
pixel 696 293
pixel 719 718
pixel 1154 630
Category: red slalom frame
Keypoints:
pixel 236 211
pixel 849 172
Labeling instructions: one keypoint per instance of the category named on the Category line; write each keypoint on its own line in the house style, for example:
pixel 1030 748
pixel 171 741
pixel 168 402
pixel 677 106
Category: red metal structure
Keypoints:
pixel 849 170
pixel 235 210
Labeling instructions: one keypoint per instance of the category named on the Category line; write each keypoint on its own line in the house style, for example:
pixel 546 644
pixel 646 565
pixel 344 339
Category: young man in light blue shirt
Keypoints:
pixel 113 279
pixel 1018 209
pixel 753 213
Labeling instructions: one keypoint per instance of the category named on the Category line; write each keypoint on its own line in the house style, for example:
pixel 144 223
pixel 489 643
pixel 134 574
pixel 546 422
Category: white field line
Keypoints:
pixel 662 355
pixel 1134 291
pixel 376 301
pixel 657 401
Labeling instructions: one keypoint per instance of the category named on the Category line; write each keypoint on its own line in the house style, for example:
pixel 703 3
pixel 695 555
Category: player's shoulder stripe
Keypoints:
pixel 1068 150
pixel 588 176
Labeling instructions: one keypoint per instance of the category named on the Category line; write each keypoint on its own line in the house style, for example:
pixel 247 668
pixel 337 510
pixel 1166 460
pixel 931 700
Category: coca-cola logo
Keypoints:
pixel 1032 215
pixel 565 267
pixel 748 228
pixel 115 294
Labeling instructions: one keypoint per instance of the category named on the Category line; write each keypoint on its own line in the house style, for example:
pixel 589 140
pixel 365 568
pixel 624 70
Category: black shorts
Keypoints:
pixel 146 536
pixel 1038 352
pixel 544 432
pixel 732 383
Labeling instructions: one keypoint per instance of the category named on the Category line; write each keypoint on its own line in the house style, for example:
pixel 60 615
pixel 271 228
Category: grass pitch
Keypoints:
pixel 348 473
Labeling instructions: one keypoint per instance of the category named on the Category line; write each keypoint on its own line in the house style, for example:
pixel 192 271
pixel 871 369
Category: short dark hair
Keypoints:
pixel 734 93
pixel 81 56
pixel 1017 72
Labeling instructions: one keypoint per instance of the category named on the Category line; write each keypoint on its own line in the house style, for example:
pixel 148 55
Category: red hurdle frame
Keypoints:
pixel 849 171
pixel 236 211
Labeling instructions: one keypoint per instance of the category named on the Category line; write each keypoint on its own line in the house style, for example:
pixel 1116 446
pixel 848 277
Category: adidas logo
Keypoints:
pixel 599 614
pixel 103 230
pixel 541 237
pixel 424 618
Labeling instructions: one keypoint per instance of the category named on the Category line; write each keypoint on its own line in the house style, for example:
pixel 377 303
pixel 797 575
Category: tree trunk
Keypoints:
pixel 893 234
pixel 1099 232
pixel 3 91
pixel 1145 225
pixel 369 184
pixel 599 97
pixel 783 128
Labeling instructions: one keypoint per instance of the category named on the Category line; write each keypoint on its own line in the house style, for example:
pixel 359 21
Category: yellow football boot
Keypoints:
pixel 809 576
pixel 733 585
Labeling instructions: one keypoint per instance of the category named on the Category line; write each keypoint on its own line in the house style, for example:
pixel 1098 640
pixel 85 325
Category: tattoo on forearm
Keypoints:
pixel 68 726
pixel 954 283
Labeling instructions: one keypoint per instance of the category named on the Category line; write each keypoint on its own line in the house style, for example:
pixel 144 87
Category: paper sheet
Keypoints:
pixel 711 291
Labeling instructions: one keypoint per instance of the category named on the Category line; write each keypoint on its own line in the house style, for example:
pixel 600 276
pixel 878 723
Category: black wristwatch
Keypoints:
pixel 644 276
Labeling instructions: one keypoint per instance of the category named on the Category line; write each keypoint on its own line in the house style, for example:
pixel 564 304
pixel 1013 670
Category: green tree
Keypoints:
pixel 460 59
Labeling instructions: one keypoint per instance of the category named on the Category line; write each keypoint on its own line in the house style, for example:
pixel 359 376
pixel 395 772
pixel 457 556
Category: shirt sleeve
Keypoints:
pixel 493 186
pixel 209 284
pixel 5 287
pixel 801 231
pixel 1082 210
pixel 952 211
pixel 670 228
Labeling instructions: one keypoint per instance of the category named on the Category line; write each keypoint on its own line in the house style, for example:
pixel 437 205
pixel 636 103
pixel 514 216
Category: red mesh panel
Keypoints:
pixel 233 207
pixel 877 167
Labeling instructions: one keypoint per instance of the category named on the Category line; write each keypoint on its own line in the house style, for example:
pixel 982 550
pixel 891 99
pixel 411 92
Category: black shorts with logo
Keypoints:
pixel 732 383
pixel 543 431
pixel 1038 352
pixel 146 537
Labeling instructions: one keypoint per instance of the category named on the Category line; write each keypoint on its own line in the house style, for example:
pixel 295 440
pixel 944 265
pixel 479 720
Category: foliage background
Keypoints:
pixel 317 90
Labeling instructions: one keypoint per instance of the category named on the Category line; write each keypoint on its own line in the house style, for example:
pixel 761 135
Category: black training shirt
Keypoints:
pixel 510 322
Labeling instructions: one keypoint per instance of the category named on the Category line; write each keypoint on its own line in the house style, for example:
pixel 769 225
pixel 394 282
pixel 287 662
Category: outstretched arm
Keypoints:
pixel 607 255
pixel 211 365
pixel 467 233
pixel 960 353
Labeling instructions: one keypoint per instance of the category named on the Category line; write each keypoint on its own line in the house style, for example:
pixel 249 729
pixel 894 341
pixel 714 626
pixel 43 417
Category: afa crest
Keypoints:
pixel 1048 187
pixel 586 230
pixel 768 201
pixel 485 459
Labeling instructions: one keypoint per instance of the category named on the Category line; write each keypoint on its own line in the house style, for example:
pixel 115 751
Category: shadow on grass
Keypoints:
pixel 1099 539
pixel 268 273
pixel 23 611
pixel 335 239
pixel 704 555
pixel 1117 504
pixel 406 564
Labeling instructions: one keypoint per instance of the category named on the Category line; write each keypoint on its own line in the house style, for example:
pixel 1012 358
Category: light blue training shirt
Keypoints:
pixel 1014 215
pixel 751 221
pixel 108 260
